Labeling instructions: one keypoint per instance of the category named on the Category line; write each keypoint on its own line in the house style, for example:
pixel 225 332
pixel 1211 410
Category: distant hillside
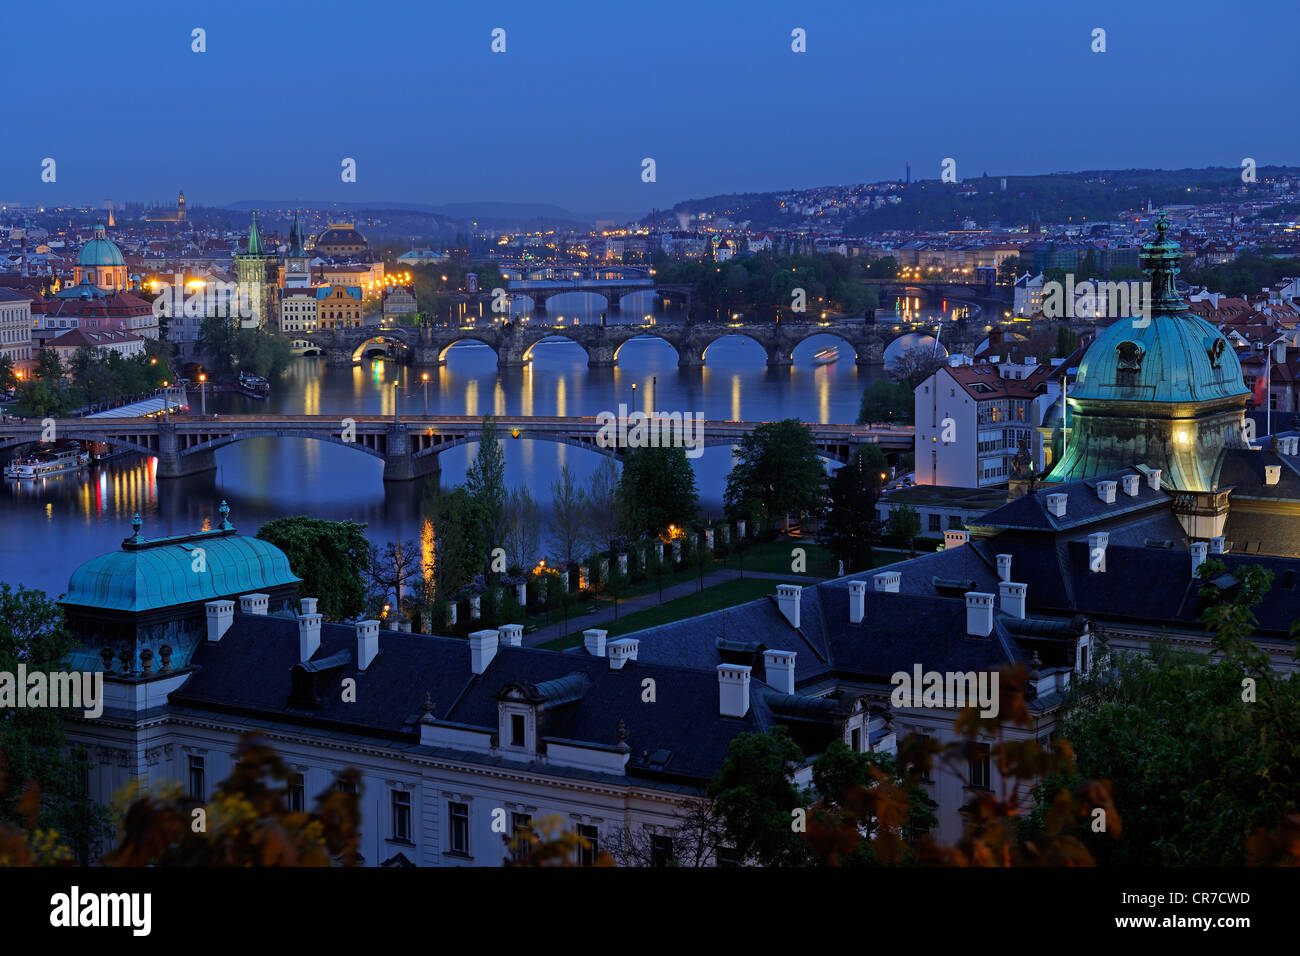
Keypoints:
pixel 1088 196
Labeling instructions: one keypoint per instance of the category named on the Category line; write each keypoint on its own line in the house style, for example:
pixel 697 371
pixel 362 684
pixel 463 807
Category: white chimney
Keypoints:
pixel 979 614
pixel 1131 485
pixel 1004 567
pixel 367 643
pixel 787 598
pixel 482 648
pixel 621 651
pixel 1198 555
pixel 308 631
pixel 857 601
pixel 955 539
pixel 1056 503
pixel 308 605
pixel 1097 551
pixel 221 614
pixel 254 603
pixel 512 635
pixel 1106 491
pixel 1012 594
pixel 1272 474
pixel 779 667
pixel 1216 545
pixel 1153 479
pixel 1279 352
pixel 594 641
pixel 887 581
pixel 733 690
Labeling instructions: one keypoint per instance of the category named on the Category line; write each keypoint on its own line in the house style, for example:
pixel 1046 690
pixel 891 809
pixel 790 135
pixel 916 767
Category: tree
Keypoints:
pixel 7 377
pixel 777 472
pixel 1009 270
pixel 523 528
pixel 903 525
pixel 603 503
pixel 755 796
pixel 34 752
pixel 915 365
pixel 851 524
pixel 395 568
pixel 886 401
pixel 568 518
pixel 656 489
pixel 1067 340
pixel 486 484
pixel 459 552
pixel 248 822
pixel 216 341
pixel 331 557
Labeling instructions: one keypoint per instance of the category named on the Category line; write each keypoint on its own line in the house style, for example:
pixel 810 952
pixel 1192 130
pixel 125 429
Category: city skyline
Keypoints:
pixel 722 106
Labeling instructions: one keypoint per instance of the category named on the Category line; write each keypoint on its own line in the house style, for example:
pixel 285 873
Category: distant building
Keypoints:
pixel 398 300
pixel 257 271
pixel 124 344
pixel 341 239
pixel 16 330
pixel 299 309
pixel 339 307
pixel 418 257
pixel 1027 295
pixel 100 263
pixel 296 272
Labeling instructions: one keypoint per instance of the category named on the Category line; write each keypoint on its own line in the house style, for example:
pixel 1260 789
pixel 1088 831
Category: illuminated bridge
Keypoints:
pixel 409 446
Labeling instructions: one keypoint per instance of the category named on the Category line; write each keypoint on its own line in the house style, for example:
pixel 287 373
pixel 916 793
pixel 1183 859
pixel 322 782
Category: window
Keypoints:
pixel 298 792
pixel 198 787
pixel 516 730
pixel 587 855
pixel 521 826
pixel 855 740
pixel 345 786
pixel 935 523
pixel 661 850
pixel 458 828
pixel 401 815
pixel 726 856
pixel 954 522
pixel 979 767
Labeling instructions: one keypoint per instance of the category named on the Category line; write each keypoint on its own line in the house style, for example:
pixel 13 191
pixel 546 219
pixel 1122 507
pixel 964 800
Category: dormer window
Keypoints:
pixel 1130 356
pixel 1215 352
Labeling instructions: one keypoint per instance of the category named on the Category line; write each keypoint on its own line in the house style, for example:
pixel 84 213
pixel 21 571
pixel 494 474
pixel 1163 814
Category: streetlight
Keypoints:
pixel 396 386
pixel 166 400
pixel 425 377
pixel 654 380
pixel 634 396
pixel 203 392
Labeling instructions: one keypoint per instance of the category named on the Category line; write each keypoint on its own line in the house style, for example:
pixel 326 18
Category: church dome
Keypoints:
pixel 100 251
pixel 1168 355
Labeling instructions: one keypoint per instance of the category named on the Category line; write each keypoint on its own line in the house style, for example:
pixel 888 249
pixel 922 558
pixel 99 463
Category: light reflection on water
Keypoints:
pixel 54 524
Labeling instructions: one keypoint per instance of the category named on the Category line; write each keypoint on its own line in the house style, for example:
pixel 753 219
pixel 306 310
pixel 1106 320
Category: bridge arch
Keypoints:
pixel 552 336
pixel 524 435
pixel 732 334
pixel 361 443
pixel 466 337
pixel 65 433
pixel 647 333
pixel 826 332
pixel 359 352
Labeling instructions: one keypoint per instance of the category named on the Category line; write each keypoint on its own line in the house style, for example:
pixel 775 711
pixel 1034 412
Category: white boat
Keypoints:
pixel 56 460
pixel 827 356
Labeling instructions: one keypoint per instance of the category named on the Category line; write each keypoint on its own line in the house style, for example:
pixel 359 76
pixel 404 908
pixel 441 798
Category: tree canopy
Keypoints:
pixel 657 489
pixel 331 557
pixel 777 473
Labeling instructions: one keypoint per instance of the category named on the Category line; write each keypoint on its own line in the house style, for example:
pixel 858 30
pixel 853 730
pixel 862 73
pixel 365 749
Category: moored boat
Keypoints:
pixel 55 459
pixel 254 386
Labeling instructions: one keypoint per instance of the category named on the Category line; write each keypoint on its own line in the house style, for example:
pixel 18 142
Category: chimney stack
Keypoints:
pixel 1106 491
pixel 221 614
pixel 1004 567
pixel 955 539
pixel 979 614
pixel 1097 551
pixel 482 648
pixel 367 643
pixel 1153 479
pixel 1216 545
pixel 621 651
pixel 308 630
pixel 512 635
pixel 1272 474
pixel 1056 503
pixel 254 603
pixel 857 601
pixel 594 640
pixel 1199 549
pixel 1131 483
pixel 787 598
pixel 779 668
pixel 733 690
pixel 1013 601
pixel 887 581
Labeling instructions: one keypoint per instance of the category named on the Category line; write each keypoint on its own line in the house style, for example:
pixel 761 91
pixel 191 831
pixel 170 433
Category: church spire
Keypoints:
pixel 295 237
pixel 1160 262
pixel 255 247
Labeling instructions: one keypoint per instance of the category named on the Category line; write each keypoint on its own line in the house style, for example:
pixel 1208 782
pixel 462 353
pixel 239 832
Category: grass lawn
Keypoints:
pixel 776 557
pixel 726 594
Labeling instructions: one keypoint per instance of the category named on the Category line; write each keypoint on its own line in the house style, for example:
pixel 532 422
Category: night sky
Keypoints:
pixel 585 90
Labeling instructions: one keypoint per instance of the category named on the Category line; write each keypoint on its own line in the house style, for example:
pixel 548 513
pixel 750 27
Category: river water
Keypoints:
pixel 53 524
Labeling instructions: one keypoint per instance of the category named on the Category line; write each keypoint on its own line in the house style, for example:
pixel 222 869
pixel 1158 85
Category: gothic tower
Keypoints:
pixel 256 272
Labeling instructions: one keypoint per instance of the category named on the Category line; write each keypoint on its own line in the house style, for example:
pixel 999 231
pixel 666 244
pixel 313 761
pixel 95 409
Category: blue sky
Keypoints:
pixel 586 90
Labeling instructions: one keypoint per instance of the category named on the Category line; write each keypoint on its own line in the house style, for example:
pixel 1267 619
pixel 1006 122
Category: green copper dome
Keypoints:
pixel 100 251
pixel 146 575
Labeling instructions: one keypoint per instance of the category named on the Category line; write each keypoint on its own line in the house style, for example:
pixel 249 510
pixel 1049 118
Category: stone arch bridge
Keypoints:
pixel 513 342
pixel 408 446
